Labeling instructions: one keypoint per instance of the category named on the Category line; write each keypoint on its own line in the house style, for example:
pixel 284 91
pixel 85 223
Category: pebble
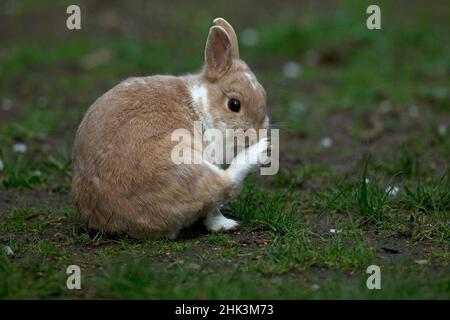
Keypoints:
pixel 326 142
pixel 292 70
pixel 250 37
pixel 442 129
pixel 36 173
pixel 315 287
pixel 392 190
pixel 7 104
pixel 8 251
pixel 413 111
pixel 20 147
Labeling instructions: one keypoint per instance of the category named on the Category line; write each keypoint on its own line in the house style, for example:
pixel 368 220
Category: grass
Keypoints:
pixel 430 196
pixel 309 232
pixel 368 200
pixel 272 211
pixel 303 250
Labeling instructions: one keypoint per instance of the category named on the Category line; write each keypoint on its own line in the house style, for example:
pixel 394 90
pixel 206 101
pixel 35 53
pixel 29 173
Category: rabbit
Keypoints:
pixel 124 181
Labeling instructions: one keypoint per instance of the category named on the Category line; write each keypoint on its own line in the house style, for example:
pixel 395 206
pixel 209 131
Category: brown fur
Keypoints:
pixel 123 178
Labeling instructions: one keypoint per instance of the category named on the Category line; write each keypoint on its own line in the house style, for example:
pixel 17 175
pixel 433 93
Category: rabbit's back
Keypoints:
pixel 121 155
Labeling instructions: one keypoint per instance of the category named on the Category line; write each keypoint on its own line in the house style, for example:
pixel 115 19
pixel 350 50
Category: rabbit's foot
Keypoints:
pixel 216 222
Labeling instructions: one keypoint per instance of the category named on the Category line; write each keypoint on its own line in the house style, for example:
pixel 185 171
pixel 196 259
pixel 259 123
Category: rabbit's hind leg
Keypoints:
pixel 215 186
pixel 211 188
pixel 241 166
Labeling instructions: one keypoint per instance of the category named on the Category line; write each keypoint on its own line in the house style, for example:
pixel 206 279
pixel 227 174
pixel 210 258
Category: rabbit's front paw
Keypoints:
pixel 252 156
pixel 247 160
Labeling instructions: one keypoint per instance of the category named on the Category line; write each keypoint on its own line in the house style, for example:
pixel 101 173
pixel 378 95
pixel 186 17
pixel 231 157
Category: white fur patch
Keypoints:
pixel 199 95
pixel 134 81
pixel 252 79
pixel 266 121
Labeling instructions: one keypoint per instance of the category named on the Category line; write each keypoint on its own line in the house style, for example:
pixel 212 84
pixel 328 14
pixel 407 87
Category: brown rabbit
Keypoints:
pixel 124 180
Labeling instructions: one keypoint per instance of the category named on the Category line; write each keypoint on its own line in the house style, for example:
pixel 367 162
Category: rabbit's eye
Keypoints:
pixel 234 105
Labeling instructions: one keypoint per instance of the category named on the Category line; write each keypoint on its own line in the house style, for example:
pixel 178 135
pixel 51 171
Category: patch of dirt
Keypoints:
pixel 14 198
pixel 384 132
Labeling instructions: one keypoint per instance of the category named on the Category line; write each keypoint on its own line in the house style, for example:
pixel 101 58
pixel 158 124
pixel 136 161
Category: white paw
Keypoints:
pixel 253 155
pixel 247 160
pixel 262 151
pixel 218 223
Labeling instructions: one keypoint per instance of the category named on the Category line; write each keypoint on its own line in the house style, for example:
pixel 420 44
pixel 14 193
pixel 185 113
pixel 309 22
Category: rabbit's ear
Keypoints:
pixel 217 52
pixel 231 34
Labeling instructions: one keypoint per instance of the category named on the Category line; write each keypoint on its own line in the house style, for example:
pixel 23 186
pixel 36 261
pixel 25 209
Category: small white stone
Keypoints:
pixel 413 111
pixel 292 70
pixel 7 104
pixel 2 166
pixel 8 251
pixel 333 230
pixel 366 180
pixel 392 190
pixel 36 173
pixel 20 147
pixel 315 287
pixel 442 129
pixel 250 37
pixel 326 142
